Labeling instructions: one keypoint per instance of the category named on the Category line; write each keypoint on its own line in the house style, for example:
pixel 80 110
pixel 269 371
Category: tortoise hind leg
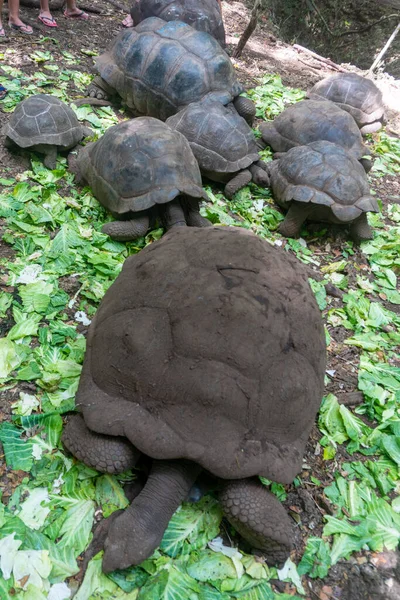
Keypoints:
pixel 105 453
pixel 295 217
pixel 360 229
pixel 172 215
pixel 192 214
pixel 259 517
pixel 246 108
pixel 125 231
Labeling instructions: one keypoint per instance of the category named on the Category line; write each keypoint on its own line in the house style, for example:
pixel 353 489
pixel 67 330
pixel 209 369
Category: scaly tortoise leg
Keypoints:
pixel 295 217
pixel 50 157
pixel 259 517
pixel 124 231
pixel 99 89
pixel 172 215
pixel 137 532
pixel 259 174
pixel 105 453
pixel 360 229
pixel 246 108
pixel 192 214
pixel 237 183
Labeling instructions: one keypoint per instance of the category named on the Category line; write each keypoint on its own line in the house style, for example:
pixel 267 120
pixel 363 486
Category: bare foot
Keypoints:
pixel 128 21
pixel 76 13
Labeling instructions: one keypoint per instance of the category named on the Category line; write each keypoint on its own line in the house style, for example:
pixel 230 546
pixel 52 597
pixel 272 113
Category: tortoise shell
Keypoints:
pixel 355 94
pixel 140 163
pixel 158 68
pixel 326 175
pixel 312 120
pixel 44 119
pixel 208 346
pixel 220 138
pixel 203 15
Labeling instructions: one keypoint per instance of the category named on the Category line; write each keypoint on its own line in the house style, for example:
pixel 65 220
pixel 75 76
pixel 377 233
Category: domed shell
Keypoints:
pixel 44 119
pixel 323 174
pixel 140 163
pixel 355 94
pixel 209 346
pixel 310 121
pixel 220 138
pixel 203 15
pixel 158 68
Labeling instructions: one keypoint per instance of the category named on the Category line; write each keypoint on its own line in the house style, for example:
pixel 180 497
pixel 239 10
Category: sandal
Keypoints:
pixel 47 21
pixel 21 28
pixel 80 15
pixel 3 91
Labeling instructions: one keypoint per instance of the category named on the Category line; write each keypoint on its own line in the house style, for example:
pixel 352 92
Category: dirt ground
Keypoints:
pixel 366 576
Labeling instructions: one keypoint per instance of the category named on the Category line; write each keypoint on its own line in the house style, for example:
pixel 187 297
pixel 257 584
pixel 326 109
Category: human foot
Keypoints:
pixel 76 13
pixel 19 26
pixel 127 22
pixel 47 19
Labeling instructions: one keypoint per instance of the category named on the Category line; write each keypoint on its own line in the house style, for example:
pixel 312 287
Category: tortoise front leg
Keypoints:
pixel 105 453
pixel 360 229
pixel 259 174
pixel 125 231
pixel 246 108
pixel 137 532
pixel 295 217
pixel 50 157
pixel 259 517
pixel 192 214
pixel 172 215
pixel 237 183
pixel 99 89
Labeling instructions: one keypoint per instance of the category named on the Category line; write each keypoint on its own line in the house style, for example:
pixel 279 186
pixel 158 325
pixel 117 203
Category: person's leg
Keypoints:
pixel 74 12
pixel 45 15
pixel 13 18
pixel 2 32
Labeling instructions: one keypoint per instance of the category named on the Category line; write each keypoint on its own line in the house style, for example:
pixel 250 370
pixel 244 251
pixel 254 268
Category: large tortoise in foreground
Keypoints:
pixel 322 182
pixel 44 124
pixel 207 352
pixel 357 95
pixel 203 15
pixel 313 120
pixel 157 68
pixel 143 171
pixel 223 144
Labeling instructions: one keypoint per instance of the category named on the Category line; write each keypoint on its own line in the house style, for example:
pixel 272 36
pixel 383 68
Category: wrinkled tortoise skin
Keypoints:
pixel 355 94
pixel 138 164
pixel 157 68
pixel 310 121
pixel 209 346
pixel 326 176
pixel 203 15
pixel 44 119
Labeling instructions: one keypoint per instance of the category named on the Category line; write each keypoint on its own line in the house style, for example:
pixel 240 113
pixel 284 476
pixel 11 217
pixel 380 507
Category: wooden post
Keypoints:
pixel 384 50
pixel 248 31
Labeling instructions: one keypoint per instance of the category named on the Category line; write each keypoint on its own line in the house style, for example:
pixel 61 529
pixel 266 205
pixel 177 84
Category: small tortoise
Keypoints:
pixel 158 68
pixel 207 352
pixel 223 144
pixel 312 120
pixel 322 182
pixel 135 169
pixel 44 124
pixel 355 94
pixel 203 15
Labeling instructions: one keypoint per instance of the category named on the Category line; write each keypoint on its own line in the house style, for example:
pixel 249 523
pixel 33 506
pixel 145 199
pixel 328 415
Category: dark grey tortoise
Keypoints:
pixel 223 144
pixel 46 125
pixel 141 170
pixel 313 120
pixel 322 182
pixel 203 15
pixel 357 95
pixel 158 68
pixel 208 352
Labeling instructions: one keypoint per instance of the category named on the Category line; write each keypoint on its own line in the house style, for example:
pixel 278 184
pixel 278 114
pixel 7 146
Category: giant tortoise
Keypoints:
pixel 157 68
pixel 203 15
pixel 140 170
pixel 223 144
pixel 357 95
pixel 322 182
pixel 312 120
pixel 207 352
pixel 44 124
